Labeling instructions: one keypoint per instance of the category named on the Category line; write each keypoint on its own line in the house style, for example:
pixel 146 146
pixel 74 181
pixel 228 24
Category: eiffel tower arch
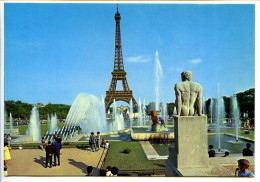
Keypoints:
pixel 118 73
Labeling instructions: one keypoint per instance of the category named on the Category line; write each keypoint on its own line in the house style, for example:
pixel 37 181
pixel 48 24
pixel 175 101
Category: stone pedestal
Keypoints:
pixel 191 145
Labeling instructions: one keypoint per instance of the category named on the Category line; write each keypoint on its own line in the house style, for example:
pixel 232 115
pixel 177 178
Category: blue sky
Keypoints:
pixel 55 51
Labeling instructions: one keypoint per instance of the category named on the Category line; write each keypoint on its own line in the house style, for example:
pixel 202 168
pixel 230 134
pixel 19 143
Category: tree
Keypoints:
pixel 170 108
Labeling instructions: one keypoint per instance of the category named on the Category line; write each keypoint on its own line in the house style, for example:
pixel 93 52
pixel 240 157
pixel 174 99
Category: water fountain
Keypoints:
pixel 155 113
pixel 53 125
pixel 140 113
pixel 219 116
pixel 11 122
pixel 204 106
pixel 165 113
pixel 174 111
pixel 235 115
pixel 34 128
pixel 5 120
pixel 88 112
pixel 158 76
pixel 157 130
pixel 211 110
pixel 144 113
pixel 49 123
pixel 131 114
pixel 118 119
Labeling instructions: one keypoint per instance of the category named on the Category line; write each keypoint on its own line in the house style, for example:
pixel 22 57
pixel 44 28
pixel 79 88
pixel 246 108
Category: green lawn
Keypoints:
pixel 135 160
pixel 44 128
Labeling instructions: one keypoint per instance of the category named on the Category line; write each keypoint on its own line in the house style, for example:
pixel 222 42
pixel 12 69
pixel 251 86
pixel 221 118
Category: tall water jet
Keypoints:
pixel 11 122
pixel 174 111
pixel 165 113
pixel 87 112
pixel 235 114
pixel 118 121
pixel 53 124
pixel 34 128
pixel 131 113
pixel 158 76
pixel 204 106
pixel 103 117
pixel 49 123
pixel 144 113
pixel 114 118
pixel 5 120
pixel 140 113
pixel 220 115
pixel 211 110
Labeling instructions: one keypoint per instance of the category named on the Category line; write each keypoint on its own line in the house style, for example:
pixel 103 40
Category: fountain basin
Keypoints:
pixel 142 134
pixel 24 139
pixel 152 136
pixel 12 131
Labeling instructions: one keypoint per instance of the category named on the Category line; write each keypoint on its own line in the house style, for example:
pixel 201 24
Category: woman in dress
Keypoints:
pixel 7 156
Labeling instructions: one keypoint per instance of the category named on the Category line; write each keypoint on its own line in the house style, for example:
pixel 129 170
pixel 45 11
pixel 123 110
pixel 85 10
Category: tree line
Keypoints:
pixel 19 109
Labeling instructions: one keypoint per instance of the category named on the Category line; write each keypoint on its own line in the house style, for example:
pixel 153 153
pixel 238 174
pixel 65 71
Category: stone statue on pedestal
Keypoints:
pixel 188 96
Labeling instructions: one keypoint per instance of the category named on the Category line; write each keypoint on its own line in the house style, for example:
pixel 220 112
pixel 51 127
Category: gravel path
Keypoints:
pixel 31 162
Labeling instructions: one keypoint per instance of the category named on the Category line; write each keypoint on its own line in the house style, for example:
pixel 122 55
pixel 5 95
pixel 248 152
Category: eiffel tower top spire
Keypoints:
pixel 118 60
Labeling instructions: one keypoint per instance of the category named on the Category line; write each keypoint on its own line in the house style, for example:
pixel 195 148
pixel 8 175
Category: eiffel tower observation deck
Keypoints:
pixel 118 73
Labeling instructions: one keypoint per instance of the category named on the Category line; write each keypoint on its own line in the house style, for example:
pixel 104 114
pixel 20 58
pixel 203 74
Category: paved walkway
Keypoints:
pixel 150 152
pixel 31 162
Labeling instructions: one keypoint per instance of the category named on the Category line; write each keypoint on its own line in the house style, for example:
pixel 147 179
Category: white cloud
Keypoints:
pixel 196 61
pixel 179 69
pixel 138 59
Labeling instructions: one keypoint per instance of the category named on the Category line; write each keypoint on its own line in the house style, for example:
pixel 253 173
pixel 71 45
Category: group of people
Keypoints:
pixel 246 151
pixel 243 164
pixel 52 149
pixel 96 143
pixel 112 171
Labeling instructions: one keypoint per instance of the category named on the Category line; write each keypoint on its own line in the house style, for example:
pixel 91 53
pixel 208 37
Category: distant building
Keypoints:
pixel 39 105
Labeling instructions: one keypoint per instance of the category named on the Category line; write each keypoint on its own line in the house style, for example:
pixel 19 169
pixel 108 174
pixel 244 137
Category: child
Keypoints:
pixel 226 154
pixel 107 145
pixel 43 143
pixel 108 173
pixel 243 171
pixel 103 143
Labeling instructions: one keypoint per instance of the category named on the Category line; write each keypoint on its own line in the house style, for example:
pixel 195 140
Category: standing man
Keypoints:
pixel 188 96
pixel 49 151
pixel 247 151
pixel 92 142
pixel 57 147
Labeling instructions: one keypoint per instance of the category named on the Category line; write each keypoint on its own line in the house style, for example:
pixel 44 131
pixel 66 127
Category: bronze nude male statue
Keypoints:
pixel 188 96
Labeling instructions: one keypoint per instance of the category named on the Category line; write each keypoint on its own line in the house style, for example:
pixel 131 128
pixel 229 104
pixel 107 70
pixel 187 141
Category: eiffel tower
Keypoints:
pixel 118 73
